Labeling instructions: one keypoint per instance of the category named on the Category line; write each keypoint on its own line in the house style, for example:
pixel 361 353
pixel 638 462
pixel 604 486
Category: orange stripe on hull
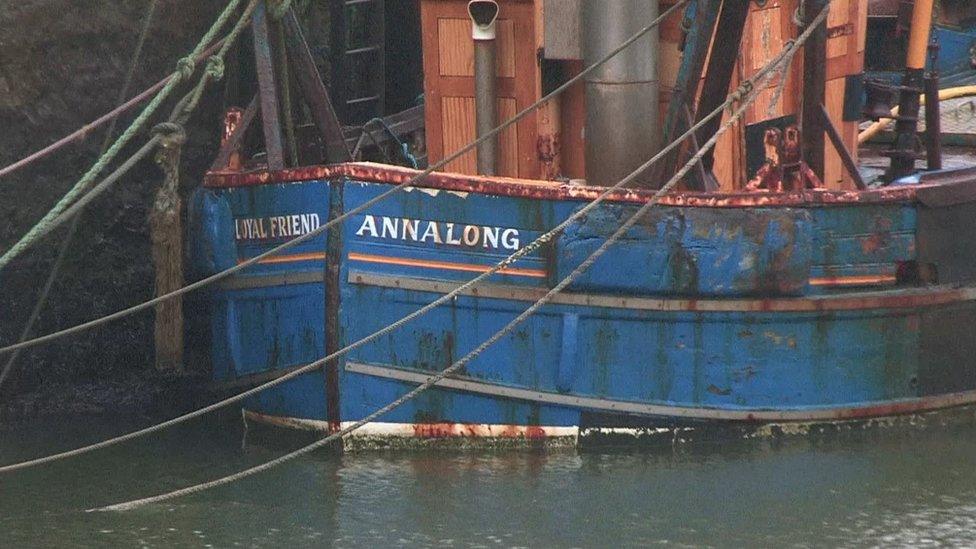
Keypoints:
pixel 447 265
pixel 319 256
pixel 860 280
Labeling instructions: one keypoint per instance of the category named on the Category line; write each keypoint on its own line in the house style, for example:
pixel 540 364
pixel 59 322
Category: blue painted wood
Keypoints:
pixel 716 360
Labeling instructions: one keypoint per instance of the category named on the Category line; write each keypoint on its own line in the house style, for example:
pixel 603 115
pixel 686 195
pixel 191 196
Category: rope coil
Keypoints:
pixel 760 75
pixel 43 225
pixel 318 364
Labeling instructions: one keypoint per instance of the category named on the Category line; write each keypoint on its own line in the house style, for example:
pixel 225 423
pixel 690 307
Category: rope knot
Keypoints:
pixel 171 133
pixel 185 67
pixel 742 91
pixel 215 67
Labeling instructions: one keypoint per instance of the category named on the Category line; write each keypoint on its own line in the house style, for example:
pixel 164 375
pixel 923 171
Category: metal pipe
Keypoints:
pixel 622 118
pixel 933 114
pixel 903 153
pixel 483 14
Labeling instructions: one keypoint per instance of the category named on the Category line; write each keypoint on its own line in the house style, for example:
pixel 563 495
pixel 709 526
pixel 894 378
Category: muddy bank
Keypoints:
pixel 149 397
pixel 62 65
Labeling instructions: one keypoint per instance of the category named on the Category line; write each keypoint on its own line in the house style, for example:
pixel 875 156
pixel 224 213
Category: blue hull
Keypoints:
pixel 749 310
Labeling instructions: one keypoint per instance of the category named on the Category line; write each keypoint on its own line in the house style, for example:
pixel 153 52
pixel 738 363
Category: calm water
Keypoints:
pixel 914 489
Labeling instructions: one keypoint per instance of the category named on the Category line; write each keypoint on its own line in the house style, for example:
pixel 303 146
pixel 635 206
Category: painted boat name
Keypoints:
pixel 438 232
pixel 260 228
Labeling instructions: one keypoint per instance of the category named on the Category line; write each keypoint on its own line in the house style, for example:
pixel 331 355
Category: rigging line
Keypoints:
pixel 181 112
pixel 514 257
pixel 183 72
pixel 110 116
pixel 366 205
pixel 73 228
pixel 731 98
pixel 432 380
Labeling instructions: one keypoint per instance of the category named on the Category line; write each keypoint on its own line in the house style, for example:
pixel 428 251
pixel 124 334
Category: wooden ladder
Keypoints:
pixel 358 38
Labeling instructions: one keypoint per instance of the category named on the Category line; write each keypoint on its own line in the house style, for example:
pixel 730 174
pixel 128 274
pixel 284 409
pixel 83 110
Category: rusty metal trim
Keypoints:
pixel 547 190
pixel 834 413
pixel 422 430
pixel 853 301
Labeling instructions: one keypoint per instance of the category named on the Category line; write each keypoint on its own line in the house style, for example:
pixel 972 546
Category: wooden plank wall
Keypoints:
pixel 769 27
pixel 847 23
pixel 449 84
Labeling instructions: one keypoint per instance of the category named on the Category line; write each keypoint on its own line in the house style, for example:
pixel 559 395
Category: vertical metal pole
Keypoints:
pixel 903 152
pixel 483 14
pixel 933 115
pixel 814 89
pixel 622 106
pixel 284 89
pixel 702 16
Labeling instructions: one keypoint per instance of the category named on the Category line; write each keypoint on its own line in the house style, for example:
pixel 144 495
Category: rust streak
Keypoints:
pixel 550 190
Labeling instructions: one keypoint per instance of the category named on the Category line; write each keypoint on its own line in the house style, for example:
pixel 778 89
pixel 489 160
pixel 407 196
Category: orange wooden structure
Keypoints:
pixel 549 143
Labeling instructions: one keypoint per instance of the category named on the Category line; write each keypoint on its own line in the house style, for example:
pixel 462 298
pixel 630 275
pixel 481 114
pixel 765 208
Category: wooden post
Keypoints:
pixel 264 66
pixel 166 231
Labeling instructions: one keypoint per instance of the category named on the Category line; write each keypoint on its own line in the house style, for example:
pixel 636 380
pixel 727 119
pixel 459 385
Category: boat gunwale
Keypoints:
pixel 932 189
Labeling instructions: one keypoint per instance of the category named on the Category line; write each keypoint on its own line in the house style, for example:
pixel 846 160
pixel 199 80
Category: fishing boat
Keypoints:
pixel 775 289
pixel 953 34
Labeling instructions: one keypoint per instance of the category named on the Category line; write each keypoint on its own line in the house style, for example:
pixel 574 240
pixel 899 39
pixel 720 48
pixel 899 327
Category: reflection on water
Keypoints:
pixel 915 488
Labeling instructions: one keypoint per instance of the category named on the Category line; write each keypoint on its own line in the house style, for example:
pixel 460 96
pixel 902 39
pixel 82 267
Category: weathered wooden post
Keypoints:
pixel 166 231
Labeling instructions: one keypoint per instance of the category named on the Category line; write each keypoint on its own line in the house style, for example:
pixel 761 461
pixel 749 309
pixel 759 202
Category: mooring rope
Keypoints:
pixel 346 215
pixel 732 98
pixel 180 115
pixel 752 95
pixel 319 363
pixel 184 70
pixel 111 116
pixel 434 379
pixel 73 228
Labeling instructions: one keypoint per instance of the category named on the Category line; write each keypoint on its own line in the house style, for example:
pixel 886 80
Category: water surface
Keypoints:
pixel 916 488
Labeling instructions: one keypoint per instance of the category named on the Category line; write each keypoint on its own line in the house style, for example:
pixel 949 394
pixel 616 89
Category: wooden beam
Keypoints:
pixel 704 14
pixel 814 90
pixel 845 155
pixel 718 76
pixel 264 65
pixel 314 92
pixel 234 140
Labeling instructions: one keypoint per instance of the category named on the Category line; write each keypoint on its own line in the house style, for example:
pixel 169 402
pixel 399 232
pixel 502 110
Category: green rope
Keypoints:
pixel 183 71
pixel 72 230
pixel 213 71
pixel 278 8
pixel 181 113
